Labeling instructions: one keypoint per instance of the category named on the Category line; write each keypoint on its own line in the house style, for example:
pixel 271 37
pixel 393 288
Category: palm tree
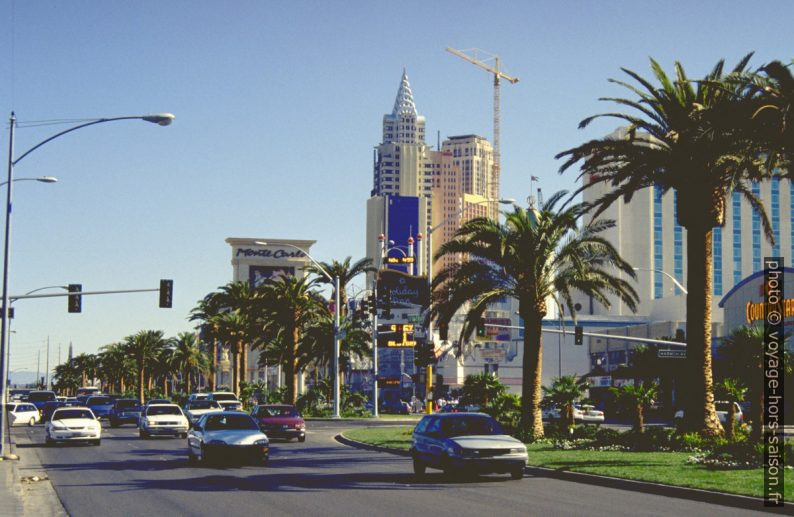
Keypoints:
pixel 563 393
pixel 741 357
pixel 734 391
pixel 535 257
pixel 233 330
pixel 144 347
pixel 288 307
pixel 187 356
pixel 638 398
pixel 116 366
pixel 775 96
pixel 67 378
pixel 317 347
pixel 345 271
pixel 206 313
pixel 241 298
pixel 693 137
pixel 482 389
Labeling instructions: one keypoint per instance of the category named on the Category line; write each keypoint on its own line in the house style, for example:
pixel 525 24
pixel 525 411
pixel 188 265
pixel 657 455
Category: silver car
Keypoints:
pixel 466 443
pixel 231 435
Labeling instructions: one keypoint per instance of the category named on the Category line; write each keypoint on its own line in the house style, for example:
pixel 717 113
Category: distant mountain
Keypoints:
pixel 21 378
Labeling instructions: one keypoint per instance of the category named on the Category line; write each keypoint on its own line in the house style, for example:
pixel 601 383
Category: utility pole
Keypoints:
pixel 38 366
pixel 375 347
pixel 47 362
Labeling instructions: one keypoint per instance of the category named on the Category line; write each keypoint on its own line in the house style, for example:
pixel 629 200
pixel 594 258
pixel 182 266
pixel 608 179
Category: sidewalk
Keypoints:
pixel 20 493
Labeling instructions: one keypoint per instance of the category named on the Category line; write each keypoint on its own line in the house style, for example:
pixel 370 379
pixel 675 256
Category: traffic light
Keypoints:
pixel 166 293
pixel 480 323
pixel 75 301
pixel 578 335
pixel 372 304
pixel 424 354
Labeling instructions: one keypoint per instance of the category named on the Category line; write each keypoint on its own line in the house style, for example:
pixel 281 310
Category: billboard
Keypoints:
pixel 258 274
pixel 402 216
pixel 402 291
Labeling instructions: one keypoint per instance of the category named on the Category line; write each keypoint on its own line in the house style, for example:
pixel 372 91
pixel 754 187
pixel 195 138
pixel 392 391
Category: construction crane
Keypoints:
pixel 472 56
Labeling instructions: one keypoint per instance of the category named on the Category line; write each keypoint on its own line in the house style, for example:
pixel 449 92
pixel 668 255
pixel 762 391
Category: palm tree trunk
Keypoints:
pixel 187 380
pixel 141 381
pixel 639 418
pixel 244 363
pixel 291 371
pixel 213 364
pixel 236 369
pixel 531 420
pixel 700 414
pixel 165 386
pixel 730 422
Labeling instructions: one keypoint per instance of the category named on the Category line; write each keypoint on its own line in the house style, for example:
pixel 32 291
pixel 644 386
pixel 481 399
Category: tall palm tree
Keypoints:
pixel 233 330
pixel 317 347
pixel 774 87
pixel 67 378
pixel 116 366
pixel 535 257
pixel 288 307
pixel 242 299
pixel 694 137
pixel 345 271
pixel 187 356
pixel 144 347
pixel 563 393
pixel 206 313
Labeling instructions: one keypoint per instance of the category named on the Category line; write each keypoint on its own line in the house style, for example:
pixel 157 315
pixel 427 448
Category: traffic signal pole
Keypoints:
pixel 375 348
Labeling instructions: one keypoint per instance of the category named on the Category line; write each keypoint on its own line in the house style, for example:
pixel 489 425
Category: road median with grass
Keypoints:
pixel 667 468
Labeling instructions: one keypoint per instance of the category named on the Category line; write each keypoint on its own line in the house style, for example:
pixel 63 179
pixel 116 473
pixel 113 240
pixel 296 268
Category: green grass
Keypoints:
pixel 668 468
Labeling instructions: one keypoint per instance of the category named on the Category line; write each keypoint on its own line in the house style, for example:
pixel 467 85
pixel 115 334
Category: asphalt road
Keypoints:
pixel 130 476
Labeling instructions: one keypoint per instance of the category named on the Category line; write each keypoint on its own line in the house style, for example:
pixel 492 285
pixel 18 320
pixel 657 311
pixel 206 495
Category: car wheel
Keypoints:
pixel 517 473
pixel 183 435
pixel 97 442
pixel 419 467
pixel 302 438
pixel 143 434
pixel 49 441
pixel 32 421
pixel 191 458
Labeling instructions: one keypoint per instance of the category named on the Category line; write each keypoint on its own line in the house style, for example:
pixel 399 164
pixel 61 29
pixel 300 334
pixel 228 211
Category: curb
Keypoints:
pixel 647 487
pixel 39 498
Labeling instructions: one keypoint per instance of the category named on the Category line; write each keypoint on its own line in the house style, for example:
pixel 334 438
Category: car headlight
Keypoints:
pixel 263 441
pixel 216 442
pixel 58 424
pixel 453 450
pixel 518 449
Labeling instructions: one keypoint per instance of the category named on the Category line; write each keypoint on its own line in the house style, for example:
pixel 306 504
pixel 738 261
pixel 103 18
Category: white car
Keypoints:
pixel 22 413
pixel 722 413
pixel 227 435
pixel 198 396
pixel 160 419
pixel 194 409
pixel 588 414
pixel 553 413
pixel 69 424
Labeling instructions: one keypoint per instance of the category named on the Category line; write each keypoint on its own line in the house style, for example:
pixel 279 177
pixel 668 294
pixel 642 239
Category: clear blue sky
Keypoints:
pixel 278 106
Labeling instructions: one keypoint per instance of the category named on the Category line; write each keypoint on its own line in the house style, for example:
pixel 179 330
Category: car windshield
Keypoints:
pixel 278 411
pixel 470 425
pixel 218 422
pixel 163 410
pixel 231 404
pixel 99 401
pixel 125 403
pixel 722 406
pixel 223 396
pixel 65 414
pixel 203 404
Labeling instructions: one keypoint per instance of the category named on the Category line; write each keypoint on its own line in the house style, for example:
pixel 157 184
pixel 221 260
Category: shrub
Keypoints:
pixel 741 455
pixel 606 436
pixel 585 432
pixel 692 442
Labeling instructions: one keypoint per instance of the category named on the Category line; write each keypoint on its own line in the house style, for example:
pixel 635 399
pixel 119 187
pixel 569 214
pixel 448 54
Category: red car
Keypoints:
pixel 280 421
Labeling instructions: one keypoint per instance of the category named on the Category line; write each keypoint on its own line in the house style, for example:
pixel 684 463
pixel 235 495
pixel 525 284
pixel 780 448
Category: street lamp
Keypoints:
pixel 665 273
pixel 42 179
pixel 335 280
pixel 162 119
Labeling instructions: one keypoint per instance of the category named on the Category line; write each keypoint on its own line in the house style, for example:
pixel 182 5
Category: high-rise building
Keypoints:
pixel 452 185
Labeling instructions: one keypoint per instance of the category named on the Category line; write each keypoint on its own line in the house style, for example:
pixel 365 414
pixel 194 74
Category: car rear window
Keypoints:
pixel 125 403
pixel 41 396
pixel 99 401
pixel 223 396
pixel 203 404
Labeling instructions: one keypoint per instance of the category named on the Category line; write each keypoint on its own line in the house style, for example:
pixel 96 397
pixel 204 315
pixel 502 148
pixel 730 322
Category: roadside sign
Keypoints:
pixel 671 354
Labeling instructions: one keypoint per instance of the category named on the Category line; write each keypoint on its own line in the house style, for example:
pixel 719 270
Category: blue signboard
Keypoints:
pixel 403 222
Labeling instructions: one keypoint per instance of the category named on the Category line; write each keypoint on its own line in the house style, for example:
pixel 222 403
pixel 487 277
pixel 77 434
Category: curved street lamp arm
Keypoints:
pixel 665 273
pixel 316 264
pixel 162 120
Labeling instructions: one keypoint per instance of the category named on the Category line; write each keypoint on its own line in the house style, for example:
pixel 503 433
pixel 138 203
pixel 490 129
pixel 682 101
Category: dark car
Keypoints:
pixel 38 398
pixel 451 408
pixel 125 411
pixel 460 443
pixel 49 407
pixel 101 405
pixel 280 421
pixel 395 406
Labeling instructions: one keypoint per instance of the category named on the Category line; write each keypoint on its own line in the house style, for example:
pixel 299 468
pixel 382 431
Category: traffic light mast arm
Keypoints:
pixel 595 334
pixel 83 293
